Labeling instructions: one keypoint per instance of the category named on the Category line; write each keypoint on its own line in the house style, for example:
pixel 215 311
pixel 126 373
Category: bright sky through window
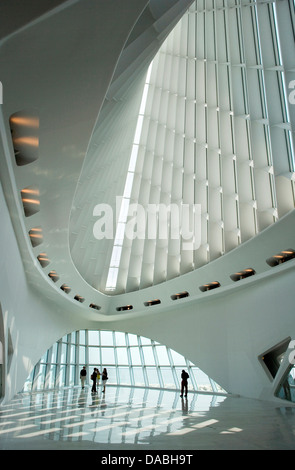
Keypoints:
pixel 121 226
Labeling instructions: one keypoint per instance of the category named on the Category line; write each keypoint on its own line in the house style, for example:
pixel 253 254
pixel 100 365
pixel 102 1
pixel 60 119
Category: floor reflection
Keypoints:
pixel 122 415
pixel 134 418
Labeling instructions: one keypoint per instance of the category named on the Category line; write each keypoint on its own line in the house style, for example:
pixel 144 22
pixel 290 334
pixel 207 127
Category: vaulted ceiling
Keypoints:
pixel 216 132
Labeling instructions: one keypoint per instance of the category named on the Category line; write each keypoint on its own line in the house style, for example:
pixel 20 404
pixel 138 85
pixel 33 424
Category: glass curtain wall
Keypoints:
pixel 131 360
pixel 216 130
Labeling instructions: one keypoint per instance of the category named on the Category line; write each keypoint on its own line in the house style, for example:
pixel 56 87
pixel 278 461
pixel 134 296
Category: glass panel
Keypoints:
pixel 51 377
pixel 73 337
pixel 152 377
pixel 72 375
pixel 145 340
pixel 82 337
pixel 138 376
pixel 107 356
pixel 107 338
pixel 82 356
pixel 202 380
pixel 54 353
pixel 162 355
pixel 61 376
pixel 93 338
pixel 135 356
pixel 44 357
pixel 112 375
pixel 28 383
pixel 73 353
pixel 122 356
pixel 94 357
pixel 39 382
pixel 167 377
pixel 124 376
pixel 149 358
pixel 177 359
pixel 63 356
pixel 132 340
pixel 120 338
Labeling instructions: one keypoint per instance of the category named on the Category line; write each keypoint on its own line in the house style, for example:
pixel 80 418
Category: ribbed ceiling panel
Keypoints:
pixel 215 131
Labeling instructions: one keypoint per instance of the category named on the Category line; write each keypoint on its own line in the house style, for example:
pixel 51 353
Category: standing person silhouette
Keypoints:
pixel 83 374
pixel 97 377
pixel 104 379
pixel 93 378
pixel 184 378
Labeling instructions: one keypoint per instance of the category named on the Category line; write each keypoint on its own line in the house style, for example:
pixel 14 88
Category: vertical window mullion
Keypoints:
pixel 143 365
pixel 68 356
pixel 157 364
pixel 116 359
pixel 129 359
pixel 172 366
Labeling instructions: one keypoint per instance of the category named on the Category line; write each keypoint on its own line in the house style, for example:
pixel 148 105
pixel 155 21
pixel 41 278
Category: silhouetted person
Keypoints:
pixel 104 379
pixel 184 378
pixel 83 374
pixel 93 378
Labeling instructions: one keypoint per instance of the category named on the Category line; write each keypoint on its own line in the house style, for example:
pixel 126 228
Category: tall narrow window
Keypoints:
pixel 125 203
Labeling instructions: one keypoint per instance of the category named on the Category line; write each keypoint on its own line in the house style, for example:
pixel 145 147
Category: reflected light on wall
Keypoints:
pixel 33 141
pixel 30 201
pixel 25 121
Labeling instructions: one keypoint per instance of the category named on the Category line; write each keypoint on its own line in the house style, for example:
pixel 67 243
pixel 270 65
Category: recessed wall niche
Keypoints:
pixel 24 128
pixel 36 236
pixel 30 200
pixel 209 286
pixel 180 295
pixel 242 274
pixel 149 303
pixel 65 288
pixel 124 307
pixel 282 257
pixel 95 307
pixel 53 275
pixel 43 259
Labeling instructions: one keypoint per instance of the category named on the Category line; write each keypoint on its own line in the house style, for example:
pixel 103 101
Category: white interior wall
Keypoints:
pixel 223 333
pixel 226 334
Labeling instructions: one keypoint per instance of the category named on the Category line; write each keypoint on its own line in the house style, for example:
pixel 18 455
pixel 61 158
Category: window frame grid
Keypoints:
pixel 48 373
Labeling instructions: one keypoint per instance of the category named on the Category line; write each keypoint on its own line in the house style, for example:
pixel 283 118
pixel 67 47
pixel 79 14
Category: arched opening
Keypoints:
pixel 131 360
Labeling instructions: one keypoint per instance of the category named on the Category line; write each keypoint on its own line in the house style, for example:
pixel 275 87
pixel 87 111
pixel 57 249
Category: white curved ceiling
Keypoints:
pixel 208 138
pixel 86 92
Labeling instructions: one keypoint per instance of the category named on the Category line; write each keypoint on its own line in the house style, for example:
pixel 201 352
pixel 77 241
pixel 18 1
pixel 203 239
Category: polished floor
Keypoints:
pixel 141 419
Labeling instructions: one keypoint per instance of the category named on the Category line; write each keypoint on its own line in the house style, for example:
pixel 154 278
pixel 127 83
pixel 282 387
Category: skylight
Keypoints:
pixel 125 203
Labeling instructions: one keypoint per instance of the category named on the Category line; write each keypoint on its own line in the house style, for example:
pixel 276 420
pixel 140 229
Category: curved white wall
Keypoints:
pixel 223 331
